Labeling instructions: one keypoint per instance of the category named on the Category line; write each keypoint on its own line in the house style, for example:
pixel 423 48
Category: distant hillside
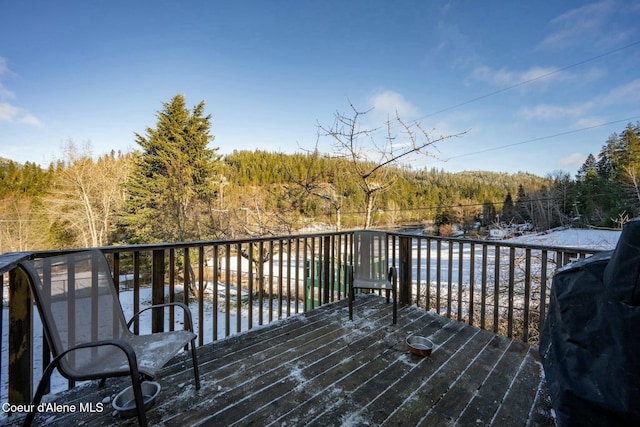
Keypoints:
pixel 4 161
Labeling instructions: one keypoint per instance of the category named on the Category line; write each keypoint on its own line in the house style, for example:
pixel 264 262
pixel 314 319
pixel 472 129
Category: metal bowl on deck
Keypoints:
pixel 418 345
pixel 125 401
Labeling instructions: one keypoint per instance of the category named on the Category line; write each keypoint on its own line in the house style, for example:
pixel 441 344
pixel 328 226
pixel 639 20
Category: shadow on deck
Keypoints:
pixel 321 369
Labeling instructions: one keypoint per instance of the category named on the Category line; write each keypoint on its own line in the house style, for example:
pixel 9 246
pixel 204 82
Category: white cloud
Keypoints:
pixel 506 78
pixel 390 103
pixel 572 161
pixel 29 119
pixel 5 93
pixel 551 112
pixel 12 114
pixel 3 66
pixel 625 94
pixel 9 113
pixel 577 24
pixel 589 122
pixel 456 44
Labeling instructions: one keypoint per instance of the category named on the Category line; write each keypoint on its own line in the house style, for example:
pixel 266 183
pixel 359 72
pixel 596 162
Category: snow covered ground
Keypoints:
pixel 574 238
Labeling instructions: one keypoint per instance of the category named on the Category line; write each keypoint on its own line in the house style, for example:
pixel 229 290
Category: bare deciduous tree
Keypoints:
pixel 369 158
pixel 632 179
pixel 19 228
pixel 86 196
pixel 311 180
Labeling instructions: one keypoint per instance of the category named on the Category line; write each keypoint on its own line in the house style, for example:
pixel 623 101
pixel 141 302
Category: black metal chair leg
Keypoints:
pixel 42 387
pixel 194 360
pixel 395 305
pixel 351 297
pixel 137 394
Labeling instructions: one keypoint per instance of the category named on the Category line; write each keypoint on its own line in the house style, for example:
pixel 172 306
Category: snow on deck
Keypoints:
pixel 322 369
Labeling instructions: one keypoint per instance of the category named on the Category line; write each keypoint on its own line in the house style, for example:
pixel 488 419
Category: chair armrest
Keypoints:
pixel 126 348
pixel 123 345
pixel 188 319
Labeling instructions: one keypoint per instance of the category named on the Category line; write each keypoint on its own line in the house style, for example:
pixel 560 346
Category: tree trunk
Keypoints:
pixel 369 211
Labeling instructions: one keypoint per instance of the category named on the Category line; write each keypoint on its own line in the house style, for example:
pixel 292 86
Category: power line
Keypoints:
pixel 525 82
pixel 465 205
pixel 527 141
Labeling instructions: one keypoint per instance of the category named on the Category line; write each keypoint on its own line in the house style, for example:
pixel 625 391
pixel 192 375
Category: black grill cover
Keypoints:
pixel 590 342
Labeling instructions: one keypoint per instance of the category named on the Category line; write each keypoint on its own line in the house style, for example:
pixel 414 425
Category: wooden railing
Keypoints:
pixel 236 285
pixel 495 285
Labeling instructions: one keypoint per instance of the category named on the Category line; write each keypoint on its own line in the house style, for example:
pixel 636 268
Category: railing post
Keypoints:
pixel 157 289
pixel 20 338
pixel 326 268
pixel 404 275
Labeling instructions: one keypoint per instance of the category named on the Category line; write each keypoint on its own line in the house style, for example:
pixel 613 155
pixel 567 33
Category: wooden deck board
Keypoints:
pixel 459 391
pixel 321 369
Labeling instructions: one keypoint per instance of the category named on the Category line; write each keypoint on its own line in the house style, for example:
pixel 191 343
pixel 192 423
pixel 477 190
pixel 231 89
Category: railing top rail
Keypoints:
pixel 9 260
pixel 503 243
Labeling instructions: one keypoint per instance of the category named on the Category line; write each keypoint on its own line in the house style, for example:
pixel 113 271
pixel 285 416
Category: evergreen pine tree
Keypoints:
pixel 508 209
pixel 172 183
pixel 589 168
pixel 524 209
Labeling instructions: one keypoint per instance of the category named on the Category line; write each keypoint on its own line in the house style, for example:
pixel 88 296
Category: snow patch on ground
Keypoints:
pixel 354 419
pixel 573 238
pixel 298 377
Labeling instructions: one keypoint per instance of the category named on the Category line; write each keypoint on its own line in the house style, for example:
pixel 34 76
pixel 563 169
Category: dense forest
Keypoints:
pixel 174 187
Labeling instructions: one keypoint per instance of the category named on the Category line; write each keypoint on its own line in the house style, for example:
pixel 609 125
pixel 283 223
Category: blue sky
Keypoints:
pixel 532 83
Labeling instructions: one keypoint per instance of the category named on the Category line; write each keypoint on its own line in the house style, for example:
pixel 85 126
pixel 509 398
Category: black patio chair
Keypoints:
pixel 86 329
pixel 370 268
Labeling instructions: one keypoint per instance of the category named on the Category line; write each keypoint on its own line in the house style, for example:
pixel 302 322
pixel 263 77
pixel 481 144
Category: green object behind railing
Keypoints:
pixel 314 285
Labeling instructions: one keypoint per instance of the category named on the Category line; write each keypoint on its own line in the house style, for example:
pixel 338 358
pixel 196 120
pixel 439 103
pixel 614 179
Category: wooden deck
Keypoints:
pixel 320 369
